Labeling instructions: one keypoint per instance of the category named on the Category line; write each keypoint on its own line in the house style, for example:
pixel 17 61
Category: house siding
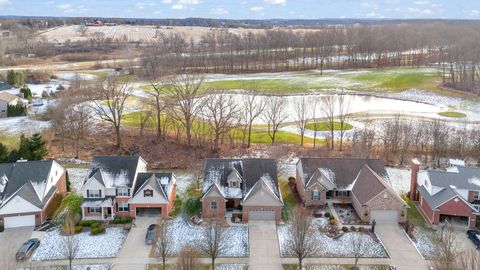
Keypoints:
pixel 208 212
pixel 456 208
pixel 387 201
pixel 308 196
pixel 427 210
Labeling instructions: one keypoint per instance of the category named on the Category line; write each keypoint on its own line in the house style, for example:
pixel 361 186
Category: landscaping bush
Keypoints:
pixel 327 214
pixel 95 224
pixel 97 230
pixel 361 229
pixel 333 221
pixel 331 217
pixel 192 206
pixel 85 223
pixel 353 229
pixel 73 201
pixel 122 220
pixel 78 229
pixel 27 93
pixel 15 78
pixel 345 229
pixel 2 228
pixel 177 208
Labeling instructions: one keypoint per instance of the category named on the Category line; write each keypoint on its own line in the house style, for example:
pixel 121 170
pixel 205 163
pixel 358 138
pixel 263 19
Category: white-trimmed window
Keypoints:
pixel 343 193
pixel 122 192
pixel 94 209
pixel 316 195
pixel 122 207
pixel 213 204
pixel 233 184
pixel 476 195
pixel 94 193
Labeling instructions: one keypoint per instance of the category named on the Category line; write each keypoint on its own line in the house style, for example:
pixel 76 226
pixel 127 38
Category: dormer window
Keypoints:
pixel 476 195
pixel 233 184
pixel 94 193
pixel 122 192
pixel 234 180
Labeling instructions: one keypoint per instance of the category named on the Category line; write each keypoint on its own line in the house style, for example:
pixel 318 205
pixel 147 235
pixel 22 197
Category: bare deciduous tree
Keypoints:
pixel 302 114
pixel 253 106
pixel 188 259
pixel 163 241
pixel 157 92
pixel 220 111
pixel 274 115
pixel 70 245
pixel 214 241
pixel 328 109
pixel 358 248
pixel 186 102
pixel 469 260
pixel 109 102
pixel 77 119
pixel 301 235
pixel 82 30
pixel 343 104
pixel 449 252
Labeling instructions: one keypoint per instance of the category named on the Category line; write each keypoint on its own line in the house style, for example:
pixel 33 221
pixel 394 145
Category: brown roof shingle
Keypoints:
pixel 367 185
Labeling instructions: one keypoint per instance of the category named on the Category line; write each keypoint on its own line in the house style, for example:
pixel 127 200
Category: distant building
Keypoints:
pixel 7 99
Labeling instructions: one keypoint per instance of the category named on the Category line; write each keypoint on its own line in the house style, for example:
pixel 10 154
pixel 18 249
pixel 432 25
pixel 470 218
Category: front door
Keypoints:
pixel 230 204
pixel 329 194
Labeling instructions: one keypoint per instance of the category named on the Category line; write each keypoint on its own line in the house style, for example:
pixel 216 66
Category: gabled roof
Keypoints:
pixel 161 182
pixel 342 170
pixel 114 171
pixel 28 179
pixel 266 185
pixel 324 178
pixel 250 170
pixel 441 197
pixel 7 97
pixel 460 177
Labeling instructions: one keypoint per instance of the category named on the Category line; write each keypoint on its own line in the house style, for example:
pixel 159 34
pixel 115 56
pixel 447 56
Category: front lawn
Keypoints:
pixel 105 245
pixel 182 233
pixel 330 247
pixel 334 267
pixel 413 214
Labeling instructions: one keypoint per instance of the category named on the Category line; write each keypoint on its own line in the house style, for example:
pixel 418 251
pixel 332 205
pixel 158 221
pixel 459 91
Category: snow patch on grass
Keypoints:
pixel 185 234
pixel 77 176
pixel 329 247
pixel 424 243
pixel 105 245
pixel 399 179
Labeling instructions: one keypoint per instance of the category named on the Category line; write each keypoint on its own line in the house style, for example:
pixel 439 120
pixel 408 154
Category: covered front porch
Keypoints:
pixel 233 213
pixel 98 209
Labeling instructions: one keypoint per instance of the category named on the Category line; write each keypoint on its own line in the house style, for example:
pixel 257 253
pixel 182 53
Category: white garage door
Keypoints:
pixel 19 221
pixel 261 215
pixel 385 216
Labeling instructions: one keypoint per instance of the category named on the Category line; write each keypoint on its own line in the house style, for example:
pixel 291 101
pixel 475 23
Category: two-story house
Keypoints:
pixel 452 194
pixel 121 186
pixel 27 189
pixel 361 182
pixel 246 186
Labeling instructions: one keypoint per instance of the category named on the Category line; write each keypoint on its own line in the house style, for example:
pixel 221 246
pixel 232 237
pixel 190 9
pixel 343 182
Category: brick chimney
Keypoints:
pixel 413 179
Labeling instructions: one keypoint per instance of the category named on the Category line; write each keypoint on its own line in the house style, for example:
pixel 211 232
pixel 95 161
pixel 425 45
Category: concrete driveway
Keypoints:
pixel 134 247
pixel 402 252
pixel 11 240
pixel 264 248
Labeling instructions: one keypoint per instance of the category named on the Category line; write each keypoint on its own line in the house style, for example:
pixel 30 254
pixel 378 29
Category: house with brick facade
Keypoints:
pixel 246 187
pixel 363 183
pixel 27 191
pixel 118 186
pixel 451 195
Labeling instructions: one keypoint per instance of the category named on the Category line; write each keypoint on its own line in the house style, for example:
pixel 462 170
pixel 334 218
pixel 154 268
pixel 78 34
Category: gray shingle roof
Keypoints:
pixel 466 178
pixel 116 171
pixel 251 170
pixel 25 178
pixel 434 201
pixel 143 179
pixel 345 170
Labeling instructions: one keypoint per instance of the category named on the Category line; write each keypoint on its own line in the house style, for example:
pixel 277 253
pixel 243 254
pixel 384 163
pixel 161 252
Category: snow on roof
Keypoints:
pixel 39 188
pixel 235 193
pixel 115 180
pixel 164 181
pixel 474 181
pixel 3 183
pixel 328 173
pixel 267 179
pixel 212 176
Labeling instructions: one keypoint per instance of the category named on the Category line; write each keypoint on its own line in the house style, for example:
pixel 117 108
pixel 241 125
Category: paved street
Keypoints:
pixel 264 249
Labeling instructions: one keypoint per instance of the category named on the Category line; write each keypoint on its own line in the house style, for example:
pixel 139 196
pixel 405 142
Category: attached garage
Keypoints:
pixel 261 215
pixel 384 216
pixel 19 221
pixel 149 211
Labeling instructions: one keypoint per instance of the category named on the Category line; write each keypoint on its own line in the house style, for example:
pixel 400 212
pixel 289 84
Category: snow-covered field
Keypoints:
pixel 80 267
pixel 236 244
pixel 340 247
pixel 338 267
pixel 399 179
pixel 231 267
pixel 105 245
pixel 15 126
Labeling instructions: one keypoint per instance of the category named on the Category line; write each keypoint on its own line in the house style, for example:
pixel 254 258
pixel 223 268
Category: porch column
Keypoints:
pixel 103 215
pixel 83 212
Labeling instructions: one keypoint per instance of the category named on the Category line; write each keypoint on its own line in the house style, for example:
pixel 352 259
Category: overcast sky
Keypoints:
pixel 246 9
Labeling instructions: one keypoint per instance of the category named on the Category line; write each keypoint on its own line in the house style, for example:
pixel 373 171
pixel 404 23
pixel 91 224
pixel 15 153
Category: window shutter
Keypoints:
pixel 88 208
pixel 128 192
pixel 128 207
pixel 116 192
pixel 88 193
pixel 100 192
pixel 311 194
